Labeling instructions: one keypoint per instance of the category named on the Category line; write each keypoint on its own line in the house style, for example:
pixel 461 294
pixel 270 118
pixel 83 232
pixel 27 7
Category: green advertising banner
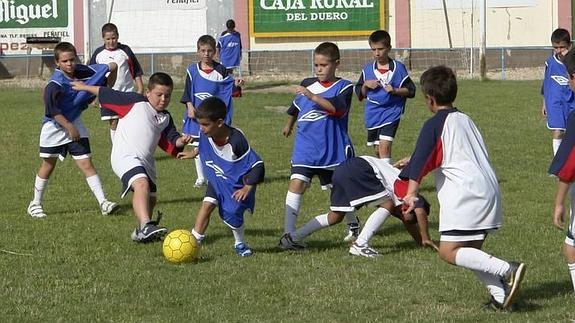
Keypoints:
pixel 288 18
pixel 33 13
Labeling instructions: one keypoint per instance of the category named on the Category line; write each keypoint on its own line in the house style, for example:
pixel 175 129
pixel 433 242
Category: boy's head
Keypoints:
pixel 326 61
pixel 231 24
pixel 110 36
pixel 65 57
pixel 380 44
pixel 210 115
pixel 206 48
pixel 561 42
pixel 439 86
pixel 159 91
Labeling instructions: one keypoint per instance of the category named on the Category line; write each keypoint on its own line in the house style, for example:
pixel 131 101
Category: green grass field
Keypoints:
pixel 83 266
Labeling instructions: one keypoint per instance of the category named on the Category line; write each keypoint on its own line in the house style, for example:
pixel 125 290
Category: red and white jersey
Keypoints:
pixel 450 145
pixel 140 130
pixel 128 66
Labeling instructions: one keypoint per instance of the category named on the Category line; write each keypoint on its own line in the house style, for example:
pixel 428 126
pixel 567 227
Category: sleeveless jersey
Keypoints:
pixel 230 45
pixel 382 108
pixel 559 99
pixel 321 140
pixel 226 177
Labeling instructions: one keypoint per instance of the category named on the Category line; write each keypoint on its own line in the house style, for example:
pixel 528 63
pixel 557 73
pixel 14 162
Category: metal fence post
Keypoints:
pixel 502 63
pixel 152 63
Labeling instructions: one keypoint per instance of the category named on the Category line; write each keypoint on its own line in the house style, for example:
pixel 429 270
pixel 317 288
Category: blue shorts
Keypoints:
pixel 386 132
pixel 78 149
pixel 130 176
pixel 233 220
pixel 307 173
pixel 107 114
pixel 354 185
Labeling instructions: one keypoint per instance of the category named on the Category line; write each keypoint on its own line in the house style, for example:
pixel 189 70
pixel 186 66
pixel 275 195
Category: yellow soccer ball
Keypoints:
pixel 180 246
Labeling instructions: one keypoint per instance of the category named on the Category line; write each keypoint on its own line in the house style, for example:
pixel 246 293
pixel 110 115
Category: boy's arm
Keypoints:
pixel 323 103
pixel 559 212
pixel 407 89
pixel 171 141
pixel 251 179
pixel 290 122
pixel 411 197
pixel 423 226
pixel 139 84
pixel 70 128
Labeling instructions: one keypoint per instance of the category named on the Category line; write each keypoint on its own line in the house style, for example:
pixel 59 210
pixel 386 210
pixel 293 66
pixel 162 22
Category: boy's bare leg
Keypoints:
pixel 569 252
pixel 141 200
pixel 384 149
pixel 47 167
pixel 296 189
pixel 203 220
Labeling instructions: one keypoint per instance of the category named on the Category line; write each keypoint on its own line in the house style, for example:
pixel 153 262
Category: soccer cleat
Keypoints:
pixel 363 251
pixel 108 207
pixel 287 243
pixel 512 281
pixel 352 232
pixel 493 305
pixel 200 182
pixel 36 210
pixel 243 250
pixel 150 232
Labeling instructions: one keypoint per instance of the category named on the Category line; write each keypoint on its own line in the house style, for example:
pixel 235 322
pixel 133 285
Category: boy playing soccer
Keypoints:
pixel 144 124
pixel 205 79
pixel 557 96
pixel 230 51
pixel 63 131
pixel 385 84
pixel 232 168
pixel 129 69
pixel 370 181
pixel 565 171
pixel 467 188
pixel 321 108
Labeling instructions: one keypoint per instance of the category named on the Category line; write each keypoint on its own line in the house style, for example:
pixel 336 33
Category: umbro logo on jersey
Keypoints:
pixel 561 80
pixel 202 95
pixel 313 115
pixel 219 172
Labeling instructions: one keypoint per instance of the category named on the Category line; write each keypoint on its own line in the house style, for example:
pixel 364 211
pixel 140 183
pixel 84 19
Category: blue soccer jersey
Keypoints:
pixel 226 176
pixel 60 98
pixel 383 108
pixel 559 98
pixel 201 85
pixel 230 46
pixel 563 164
pixel 321 140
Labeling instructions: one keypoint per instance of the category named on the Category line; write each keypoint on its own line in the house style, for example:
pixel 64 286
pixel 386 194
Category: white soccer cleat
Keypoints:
pixel 363 251
pixel 200 182
pixel 108 207
pixel 36 210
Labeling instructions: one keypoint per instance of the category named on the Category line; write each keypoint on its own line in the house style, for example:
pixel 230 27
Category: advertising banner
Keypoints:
pixel 295 18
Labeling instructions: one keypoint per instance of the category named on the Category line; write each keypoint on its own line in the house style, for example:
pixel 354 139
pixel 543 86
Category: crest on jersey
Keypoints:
pixel 202 95
pixel 560 79
pixel 219 172
pixel 313 115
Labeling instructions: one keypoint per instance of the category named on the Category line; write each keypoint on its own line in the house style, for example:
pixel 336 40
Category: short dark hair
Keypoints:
pixel 212 108
pixel 569 62
pixel 440 83
pixel 160 78
pixel 560 35
pixel 329 50
pixel 207 40
pixel 380 36
pixel 64 47
pixel 230 24
pixel 109 28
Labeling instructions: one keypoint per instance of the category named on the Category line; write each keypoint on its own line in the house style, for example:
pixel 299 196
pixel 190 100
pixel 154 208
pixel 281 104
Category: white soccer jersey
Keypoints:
pixel 467 187
pixel 128 65
pixel 386 173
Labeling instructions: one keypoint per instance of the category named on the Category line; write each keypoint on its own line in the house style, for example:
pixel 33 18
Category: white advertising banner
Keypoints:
pixel 465 4
pixel 155 5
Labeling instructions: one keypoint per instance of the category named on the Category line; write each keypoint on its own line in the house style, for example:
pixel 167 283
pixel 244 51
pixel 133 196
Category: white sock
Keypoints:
pixel 317 223
pixel 373 223
pixel 387 160
pixel 96 187
pixel 39 187
pixel 476 259
pixel 112 134
pixel 238 235
pixel 572 272
pixel 351 219
pixel 556 144
pixel 199 237
pixel 293 203
pixel 493 284
pixel 199 169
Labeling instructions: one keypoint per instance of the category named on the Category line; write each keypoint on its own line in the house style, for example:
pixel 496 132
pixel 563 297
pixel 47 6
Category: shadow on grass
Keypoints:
pixel 180 200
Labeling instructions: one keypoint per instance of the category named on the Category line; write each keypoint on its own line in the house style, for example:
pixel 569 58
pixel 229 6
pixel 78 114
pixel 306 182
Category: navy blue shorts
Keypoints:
pixel 107 114
pixel 354 185
pixel 130 176
pixel 465 235
pixel 386 132
pixel 307 173
pixel 78 149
